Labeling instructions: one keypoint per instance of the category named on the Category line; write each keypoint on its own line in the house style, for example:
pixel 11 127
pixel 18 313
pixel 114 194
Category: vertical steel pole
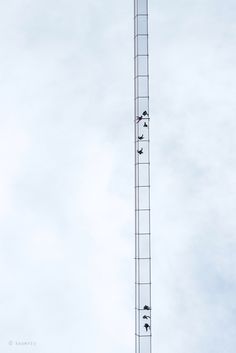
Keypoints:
pixel 143 308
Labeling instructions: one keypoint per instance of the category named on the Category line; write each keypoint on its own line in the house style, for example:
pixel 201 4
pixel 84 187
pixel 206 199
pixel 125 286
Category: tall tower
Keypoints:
pixel 143 323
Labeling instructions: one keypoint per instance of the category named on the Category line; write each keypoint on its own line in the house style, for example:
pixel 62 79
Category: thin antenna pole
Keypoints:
pixel 143 323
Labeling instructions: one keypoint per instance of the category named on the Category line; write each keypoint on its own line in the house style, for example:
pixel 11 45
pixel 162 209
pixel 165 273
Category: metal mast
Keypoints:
pixel 143 324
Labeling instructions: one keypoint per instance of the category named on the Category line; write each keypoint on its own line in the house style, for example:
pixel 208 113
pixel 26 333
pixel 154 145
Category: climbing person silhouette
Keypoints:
pixel 145 113
pixel 145 317
pixel 141 137
pixel 147 327
pixel 140 151
pixel 145 124
pixel 146 307
pixel 139 118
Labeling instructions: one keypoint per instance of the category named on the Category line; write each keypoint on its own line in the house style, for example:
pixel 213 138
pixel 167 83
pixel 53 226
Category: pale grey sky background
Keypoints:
pixel 66 175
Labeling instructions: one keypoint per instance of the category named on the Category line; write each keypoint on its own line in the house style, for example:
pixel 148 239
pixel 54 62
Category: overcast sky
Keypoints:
pixel 66 176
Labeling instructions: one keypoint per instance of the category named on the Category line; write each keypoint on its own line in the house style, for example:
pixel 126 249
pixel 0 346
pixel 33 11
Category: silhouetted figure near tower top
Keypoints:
pixel 145 113
pixel 146 317
pixel 139 118
pixel 140 151
pixel 147 327
pixel 141 137
pixel 145 125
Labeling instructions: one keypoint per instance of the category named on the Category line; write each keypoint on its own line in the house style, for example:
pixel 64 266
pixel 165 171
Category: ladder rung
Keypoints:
pixel 142 186
pixel 143 233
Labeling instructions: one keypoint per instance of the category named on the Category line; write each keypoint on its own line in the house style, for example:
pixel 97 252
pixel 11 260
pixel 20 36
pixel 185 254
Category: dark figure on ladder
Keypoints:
pixel 146 307
pixel 141 137
pixel 147 327
pixel 145 317
pixel 140 151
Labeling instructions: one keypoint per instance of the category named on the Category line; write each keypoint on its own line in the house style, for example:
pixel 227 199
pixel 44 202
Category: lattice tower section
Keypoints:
pixel 143 308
